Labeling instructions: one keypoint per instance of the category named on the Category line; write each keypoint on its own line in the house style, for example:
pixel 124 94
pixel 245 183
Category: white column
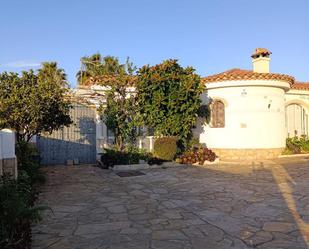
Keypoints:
pixel 1 157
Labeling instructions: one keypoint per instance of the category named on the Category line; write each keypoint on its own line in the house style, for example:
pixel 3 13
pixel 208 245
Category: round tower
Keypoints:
pixel 247 111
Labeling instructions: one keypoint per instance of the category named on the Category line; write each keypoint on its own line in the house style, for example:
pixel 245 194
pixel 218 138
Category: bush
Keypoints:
pixel 16 212
pixel 165 148
pixel 154 160
pixel 17 198
pixel 113 157
pixel 297 145
pixel 304 143
pixel 29 161
pixel 197 156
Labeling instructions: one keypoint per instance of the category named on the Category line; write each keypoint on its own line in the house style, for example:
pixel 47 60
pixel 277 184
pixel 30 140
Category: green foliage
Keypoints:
pixel 128 156
pixel 17 212
pixel 287 151
pixel 34 103
pixel 297 145
pixel 119 114
pixel 197 155
pixel 28 161
pixel 17 198
pixel 131 155
pixel 193 143
pixel 204 112
pixel 155 160
pixel 169 99
pixel 165 148
pixel 95 66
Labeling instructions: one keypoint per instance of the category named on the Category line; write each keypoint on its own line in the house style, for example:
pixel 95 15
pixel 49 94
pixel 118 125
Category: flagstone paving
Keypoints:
pixel 257 205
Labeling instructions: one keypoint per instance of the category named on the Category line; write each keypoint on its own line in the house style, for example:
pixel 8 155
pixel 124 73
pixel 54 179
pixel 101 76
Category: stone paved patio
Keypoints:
pixel 261 205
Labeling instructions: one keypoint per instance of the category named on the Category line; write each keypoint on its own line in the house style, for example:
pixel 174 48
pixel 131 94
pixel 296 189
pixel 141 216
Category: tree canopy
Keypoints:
pixel 169 98
pixel 96 66
pixel 32 103
pixel 119 111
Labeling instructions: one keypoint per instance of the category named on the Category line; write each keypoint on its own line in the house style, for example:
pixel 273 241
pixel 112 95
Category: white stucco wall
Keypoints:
pixel 298 97
pixel 294 120
pixel 7 144
pixel 254 115
pixel 7 152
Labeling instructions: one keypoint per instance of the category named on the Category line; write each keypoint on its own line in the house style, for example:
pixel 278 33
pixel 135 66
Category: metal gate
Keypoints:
pixel 76 142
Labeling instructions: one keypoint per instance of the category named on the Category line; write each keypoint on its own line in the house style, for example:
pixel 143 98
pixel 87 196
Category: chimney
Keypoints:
pixel 260 60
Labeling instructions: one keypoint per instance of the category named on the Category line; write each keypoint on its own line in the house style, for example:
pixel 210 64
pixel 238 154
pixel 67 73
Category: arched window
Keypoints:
pixel 296 120
pixel 218 114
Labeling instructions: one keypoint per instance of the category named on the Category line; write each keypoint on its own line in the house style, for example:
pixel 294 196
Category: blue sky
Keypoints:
pixel 210 35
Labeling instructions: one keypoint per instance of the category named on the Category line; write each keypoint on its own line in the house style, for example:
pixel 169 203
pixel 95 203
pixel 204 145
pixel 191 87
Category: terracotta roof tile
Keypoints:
pixel 260 51
pixel 108 79
pixel 301 86
pixel 240 74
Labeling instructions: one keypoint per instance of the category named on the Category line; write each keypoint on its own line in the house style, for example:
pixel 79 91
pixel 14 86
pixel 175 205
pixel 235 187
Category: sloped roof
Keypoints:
pixel 241 74
pixel 107 79
pixel 301 86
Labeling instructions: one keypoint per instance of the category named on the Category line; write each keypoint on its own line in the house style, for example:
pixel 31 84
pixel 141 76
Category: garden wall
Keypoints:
pixel 8 162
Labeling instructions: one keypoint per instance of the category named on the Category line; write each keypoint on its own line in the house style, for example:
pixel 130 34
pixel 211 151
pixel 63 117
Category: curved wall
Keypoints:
pixel 254 116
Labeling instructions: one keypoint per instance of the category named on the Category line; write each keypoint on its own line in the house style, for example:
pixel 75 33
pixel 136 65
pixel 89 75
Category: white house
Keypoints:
pixel 253 111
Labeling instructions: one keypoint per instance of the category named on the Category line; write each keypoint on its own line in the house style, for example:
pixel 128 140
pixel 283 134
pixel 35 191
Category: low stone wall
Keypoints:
pixel 8 166
pixel 247 154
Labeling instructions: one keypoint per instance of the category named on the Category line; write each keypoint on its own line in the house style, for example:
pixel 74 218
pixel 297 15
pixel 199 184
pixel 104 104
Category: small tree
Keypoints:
pixel 169 99
pixel 34 103
pixel 119 112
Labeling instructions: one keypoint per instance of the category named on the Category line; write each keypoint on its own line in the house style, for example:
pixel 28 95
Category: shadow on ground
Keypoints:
pixel 264 205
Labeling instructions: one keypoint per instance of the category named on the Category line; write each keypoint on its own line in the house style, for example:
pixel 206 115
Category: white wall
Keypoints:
pixel 254 117
pixel 7 151
pixel 296 119
pixel 7 144
pixel 298 96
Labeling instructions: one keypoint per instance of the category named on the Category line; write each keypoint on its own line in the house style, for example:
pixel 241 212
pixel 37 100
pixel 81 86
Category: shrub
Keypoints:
pixel 17 197
pixel 165 148
pixel 193 143
pixel 293 145
pixel 304 143
pixel 113 157
pixel 286 151
pixel 154 160
pixel 197 156
pixel 297 145
pixel 16 212
pixel 29 161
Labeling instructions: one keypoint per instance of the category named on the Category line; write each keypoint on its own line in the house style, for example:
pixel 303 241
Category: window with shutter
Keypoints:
pixel 218 114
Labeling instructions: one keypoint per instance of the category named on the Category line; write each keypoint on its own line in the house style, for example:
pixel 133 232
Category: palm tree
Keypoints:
pixel 96 66
pixel 50 72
